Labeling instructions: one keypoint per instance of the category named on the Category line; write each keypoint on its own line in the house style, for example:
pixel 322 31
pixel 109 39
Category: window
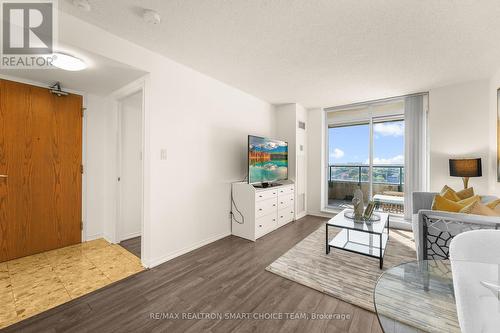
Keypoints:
pixel 366 151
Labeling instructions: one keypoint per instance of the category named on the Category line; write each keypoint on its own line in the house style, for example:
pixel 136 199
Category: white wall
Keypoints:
pixel 492 122
pixel 459 118
pixel 203 125
pixel 287 118
pixel 315 161
pixel 301 163
pixel 130 192
pixel 100 148
pixel 285 130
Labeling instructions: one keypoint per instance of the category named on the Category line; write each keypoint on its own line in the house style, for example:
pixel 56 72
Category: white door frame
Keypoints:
pixel 118 96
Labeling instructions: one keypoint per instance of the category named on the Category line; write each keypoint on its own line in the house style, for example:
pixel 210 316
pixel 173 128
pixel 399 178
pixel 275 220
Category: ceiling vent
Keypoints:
pixel 152 17
pixel 83 5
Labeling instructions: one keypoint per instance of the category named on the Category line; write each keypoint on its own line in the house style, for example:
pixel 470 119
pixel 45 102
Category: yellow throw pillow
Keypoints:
pixel 477 208
pixel 466 193
pixel 450 195
pixel 470 200
pixel 446 188
pixel 493 204
pixel 443 204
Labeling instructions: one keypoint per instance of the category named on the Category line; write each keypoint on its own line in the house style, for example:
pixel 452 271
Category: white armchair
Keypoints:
pixel 475 263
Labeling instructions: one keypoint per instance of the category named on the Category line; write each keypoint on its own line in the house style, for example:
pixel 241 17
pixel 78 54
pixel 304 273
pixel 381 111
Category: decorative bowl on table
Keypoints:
pixel 373 218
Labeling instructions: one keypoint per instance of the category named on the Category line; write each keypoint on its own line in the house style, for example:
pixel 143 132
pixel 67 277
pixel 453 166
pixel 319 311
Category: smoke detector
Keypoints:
pixel 151 16
pixel 82 4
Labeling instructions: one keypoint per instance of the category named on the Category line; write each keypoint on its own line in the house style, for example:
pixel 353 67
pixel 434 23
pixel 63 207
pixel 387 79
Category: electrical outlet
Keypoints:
pixel 163 154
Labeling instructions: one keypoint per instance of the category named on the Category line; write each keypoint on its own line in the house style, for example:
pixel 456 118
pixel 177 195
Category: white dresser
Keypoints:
pixel 258 211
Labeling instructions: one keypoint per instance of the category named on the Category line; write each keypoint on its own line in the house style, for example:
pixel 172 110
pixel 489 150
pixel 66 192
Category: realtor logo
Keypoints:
pixel 28 33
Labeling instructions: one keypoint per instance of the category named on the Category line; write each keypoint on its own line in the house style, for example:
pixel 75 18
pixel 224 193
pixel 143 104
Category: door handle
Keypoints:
pixel 4 176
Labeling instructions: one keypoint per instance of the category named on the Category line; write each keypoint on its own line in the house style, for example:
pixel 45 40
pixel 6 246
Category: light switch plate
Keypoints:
pixel 163 154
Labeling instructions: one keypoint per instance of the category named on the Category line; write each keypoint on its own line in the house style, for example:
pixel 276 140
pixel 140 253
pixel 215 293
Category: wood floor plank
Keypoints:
pixel 222 277
pixel 133 245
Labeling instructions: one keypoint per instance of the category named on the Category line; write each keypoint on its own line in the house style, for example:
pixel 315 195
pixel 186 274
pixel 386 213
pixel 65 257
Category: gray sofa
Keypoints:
pixel 433 230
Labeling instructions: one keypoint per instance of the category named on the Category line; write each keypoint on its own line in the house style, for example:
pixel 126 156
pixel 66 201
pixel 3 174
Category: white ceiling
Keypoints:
pixel 316 52
pixel 102 77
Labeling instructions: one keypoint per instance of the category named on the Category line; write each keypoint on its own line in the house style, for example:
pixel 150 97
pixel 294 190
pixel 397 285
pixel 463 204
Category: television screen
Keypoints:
pixel 267 160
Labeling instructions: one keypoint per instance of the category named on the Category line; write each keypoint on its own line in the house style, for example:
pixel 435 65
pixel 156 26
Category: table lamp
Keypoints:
pixel 465 168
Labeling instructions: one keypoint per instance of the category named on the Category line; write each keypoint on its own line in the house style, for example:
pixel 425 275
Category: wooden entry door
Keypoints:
pixel 40 168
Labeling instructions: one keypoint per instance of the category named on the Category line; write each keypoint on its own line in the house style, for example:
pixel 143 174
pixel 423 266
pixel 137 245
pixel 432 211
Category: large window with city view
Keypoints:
pixel 368 155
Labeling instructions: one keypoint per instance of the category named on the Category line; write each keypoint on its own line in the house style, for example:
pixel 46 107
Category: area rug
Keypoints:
pixel 344 275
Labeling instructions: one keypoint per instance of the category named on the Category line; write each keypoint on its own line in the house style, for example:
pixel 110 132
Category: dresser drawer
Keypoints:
pixel 264 195
pixel 285 216
pixel 265 207
pixel 265 224
pixel 286 190
pixel 285 201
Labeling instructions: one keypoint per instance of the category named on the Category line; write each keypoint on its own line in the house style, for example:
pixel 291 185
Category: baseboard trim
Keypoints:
pixel 131 235
pixel 160 260
pixel 300 215
pixel 89 238
pixel 322 214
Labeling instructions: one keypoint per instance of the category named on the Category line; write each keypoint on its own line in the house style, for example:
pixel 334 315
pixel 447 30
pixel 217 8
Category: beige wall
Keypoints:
pixel 458 127
pixel 492 121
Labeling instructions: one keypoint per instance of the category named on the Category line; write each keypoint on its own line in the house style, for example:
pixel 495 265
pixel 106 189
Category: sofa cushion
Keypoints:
pixel 465 193
pixel 493 204
pixel 453 195
pixel 450 194
pixel 443 204
pixel 470 200
pixel 478 208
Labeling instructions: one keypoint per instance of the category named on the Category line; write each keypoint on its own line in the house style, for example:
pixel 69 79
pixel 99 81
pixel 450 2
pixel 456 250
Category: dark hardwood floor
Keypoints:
pixel 132 245
pixel 224 276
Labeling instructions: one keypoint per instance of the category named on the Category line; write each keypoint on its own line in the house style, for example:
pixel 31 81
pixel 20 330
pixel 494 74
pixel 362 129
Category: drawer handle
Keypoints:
pixel 260 209
pixel 274 220
pixel 282 202
pixel 291 212
pixel 260 196
pixel 260 225
pixel 274 192
pixel 291 199
pixel 281 216
pixel 274 205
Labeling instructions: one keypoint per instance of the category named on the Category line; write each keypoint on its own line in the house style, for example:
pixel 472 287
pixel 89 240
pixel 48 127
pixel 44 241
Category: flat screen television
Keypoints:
pixel 267 160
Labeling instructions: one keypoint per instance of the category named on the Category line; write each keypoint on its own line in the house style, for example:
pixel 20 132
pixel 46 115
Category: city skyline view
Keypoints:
pixel 350 144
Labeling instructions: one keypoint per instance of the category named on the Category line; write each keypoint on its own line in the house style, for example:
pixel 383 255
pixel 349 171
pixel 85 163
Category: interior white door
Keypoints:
pixel 131 167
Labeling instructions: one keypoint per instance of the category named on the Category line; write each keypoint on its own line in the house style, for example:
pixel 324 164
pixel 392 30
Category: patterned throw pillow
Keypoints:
pixel 443 204
pixel 451 194
pixel 470 200
pixel 493 204
pixel 466 193
pixel 477 208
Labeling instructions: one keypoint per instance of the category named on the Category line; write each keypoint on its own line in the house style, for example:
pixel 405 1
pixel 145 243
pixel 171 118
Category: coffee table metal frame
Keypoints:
pixel 383 238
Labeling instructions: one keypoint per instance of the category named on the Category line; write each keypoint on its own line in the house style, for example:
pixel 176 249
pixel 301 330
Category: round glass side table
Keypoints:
pixel 417 297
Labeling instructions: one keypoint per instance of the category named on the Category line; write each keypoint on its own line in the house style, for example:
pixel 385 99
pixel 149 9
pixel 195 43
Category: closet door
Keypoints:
pixel 40 168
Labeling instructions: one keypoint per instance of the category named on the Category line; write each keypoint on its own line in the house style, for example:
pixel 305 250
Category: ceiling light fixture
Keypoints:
pixel 82 4
pixel 67 62
pixel 151 16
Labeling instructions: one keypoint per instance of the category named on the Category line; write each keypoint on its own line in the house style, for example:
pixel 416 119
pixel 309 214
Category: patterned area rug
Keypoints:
pixel 344 275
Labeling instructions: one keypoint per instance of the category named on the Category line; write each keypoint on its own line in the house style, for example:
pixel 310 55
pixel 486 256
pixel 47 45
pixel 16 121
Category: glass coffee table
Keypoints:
pixel 368 239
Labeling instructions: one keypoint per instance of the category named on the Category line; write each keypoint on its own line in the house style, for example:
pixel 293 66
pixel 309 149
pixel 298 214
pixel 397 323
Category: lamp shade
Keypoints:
pixel 470 167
